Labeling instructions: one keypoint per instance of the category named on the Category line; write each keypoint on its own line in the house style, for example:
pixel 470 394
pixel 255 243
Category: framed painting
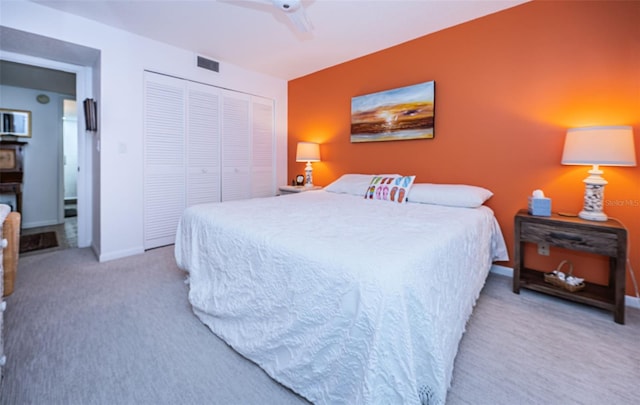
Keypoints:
pixel 15 122
pixel 393 115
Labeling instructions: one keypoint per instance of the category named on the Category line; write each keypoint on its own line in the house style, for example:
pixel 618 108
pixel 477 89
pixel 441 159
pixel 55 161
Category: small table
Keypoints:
pixel 608 238
pixel 297 189
pixel 13 188
pixel 12 169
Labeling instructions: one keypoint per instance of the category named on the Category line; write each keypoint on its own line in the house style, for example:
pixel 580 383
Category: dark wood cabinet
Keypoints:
pixel 608 238
pixel 12 169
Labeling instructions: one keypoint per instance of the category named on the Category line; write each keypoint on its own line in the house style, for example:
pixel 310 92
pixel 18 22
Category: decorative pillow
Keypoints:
pixel 390 188
pixel 453 195
pixel 355 184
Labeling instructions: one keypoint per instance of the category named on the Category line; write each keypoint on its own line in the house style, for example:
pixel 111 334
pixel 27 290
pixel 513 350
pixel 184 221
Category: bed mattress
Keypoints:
pixel 342 299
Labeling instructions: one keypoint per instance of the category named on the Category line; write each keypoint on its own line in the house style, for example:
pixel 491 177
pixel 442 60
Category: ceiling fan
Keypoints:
pixel 296 13
pixel 293 9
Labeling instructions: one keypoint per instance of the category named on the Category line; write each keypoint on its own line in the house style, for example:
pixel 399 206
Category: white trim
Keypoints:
pixel 502 270
pixel 629 301
pixel 85 175
pixel 119 254
pixel 38 224
pixel 60 140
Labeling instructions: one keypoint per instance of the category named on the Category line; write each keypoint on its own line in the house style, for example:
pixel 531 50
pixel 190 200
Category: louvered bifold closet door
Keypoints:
pixel 164 158
pixel 236 158
pixel 203 144
pixel 262 148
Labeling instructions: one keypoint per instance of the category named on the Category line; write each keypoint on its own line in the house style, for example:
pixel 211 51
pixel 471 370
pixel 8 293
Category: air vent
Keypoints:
pixel 208 64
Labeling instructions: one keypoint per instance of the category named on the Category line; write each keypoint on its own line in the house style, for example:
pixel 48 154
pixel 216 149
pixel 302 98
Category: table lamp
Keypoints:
pixel 596 146
pixel 308 152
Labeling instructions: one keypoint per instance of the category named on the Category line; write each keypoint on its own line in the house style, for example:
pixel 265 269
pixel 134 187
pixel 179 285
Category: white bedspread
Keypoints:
pixel 342 299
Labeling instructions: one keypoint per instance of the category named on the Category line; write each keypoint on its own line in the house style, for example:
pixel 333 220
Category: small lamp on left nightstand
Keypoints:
pixel 308 152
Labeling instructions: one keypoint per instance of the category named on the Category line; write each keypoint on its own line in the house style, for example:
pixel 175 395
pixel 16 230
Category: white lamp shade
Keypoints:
pixel 308 152
pixel 603 145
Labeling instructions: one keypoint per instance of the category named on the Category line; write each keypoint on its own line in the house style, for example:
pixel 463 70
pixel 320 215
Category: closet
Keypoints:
pixel 202 144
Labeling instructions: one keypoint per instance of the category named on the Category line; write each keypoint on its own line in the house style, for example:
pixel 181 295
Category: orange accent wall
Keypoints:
pixel 508 85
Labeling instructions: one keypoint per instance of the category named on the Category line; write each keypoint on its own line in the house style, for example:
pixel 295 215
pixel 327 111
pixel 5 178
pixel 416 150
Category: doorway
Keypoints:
pixel 52 159
pixel 55 158
pixel 70 170
pixel 37 50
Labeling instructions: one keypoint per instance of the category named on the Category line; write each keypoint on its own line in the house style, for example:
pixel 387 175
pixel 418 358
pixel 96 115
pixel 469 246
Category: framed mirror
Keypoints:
pixel 15 122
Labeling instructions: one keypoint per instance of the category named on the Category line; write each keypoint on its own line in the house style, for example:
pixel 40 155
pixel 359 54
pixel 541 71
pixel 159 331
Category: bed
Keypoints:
pixel 340 297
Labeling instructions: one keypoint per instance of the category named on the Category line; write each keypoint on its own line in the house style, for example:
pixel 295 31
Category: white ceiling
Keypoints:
pixel 255 35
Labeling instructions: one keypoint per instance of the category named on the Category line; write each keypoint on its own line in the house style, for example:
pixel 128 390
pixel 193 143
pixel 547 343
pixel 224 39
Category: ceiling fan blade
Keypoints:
pixel 293 9
pixel 300 20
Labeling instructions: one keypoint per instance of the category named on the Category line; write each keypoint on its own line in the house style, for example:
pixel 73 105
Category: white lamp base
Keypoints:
pixel 593 196
pixel 308 175
pixel 593 216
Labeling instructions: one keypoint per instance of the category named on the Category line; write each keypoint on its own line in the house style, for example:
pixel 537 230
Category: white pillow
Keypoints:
pixel 454 195
pixel 356 184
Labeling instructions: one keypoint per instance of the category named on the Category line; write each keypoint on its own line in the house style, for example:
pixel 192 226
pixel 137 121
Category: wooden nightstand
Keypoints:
pixel 608 238
pixel 297 189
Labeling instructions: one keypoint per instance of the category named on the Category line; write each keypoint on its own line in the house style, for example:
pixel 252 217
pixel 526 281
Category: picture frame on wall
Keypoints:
pixel 15 122
pixel 90 114
pixel 393 115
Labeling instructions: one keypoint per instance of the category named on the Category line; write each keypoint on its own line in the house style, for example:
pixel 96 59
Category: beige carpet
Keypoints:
pixel 122 332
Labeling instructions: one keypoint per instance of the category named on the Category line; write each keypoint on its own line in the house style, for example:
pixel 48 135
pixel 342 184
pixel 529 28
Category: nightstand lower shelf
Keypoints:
pixel 593 294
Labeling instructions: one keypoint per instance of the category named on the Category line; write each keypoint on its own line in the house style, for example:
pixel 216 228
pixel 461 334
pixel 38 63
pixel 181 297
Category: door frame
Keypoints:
pixel 85 167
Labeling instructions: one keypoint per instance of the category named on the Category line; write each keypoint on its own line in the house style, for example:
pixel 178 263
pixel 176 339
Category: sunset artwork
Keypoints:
pixel 393 115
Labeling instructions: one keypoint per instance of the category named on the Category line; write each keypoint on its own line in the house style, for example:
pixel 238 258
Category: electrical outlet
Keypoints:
pixel 543 249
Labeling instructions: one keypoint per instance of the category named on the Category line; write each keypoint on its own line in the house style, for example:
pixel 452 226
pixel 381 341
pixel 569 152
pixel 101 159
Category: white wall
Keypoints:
pixel 123 59
pixel 40 192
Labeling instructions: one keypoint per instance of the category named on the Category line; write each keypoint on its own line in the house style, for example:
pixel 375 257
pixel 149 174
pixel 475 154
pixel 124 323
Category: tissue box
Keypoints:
pixel 540 206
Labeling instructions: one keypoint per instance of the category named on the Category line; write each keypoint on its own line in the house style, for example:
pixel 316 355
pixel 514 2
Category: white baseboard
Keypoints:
pixel 502 270
pixel 633 302
pixel 104 257
pixel 629 301
pixel 38 224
